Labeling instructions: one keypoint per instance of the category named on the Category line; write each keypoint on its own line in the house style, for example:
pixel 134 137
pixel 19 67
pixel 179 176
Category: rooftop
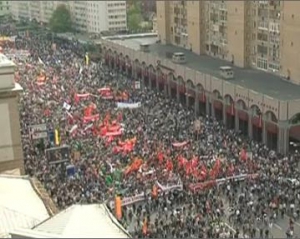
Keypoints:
pixel 80 221
pixel 5 62
pixel 259 81
pixel 20 206
pixel 16 87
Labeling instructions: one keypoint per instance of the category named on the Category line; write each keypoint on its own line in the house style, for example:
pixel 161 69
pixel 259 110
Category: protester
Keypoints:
pixel 143 142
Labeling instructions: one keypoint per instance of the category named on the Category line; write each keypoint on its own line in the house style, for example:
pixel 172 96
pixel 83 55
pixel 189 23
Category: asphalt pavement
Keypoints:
pixel 280 227
pixel 277 230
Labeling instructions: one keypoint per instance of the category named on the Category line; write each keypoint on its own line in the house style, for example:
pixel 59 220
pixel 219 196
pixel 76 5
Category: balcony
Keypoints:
pixel 274 27
pixel 263 3
pixel 263 25
pixel 274 39
pixel 223 42
pixel 223 7
pixel 215 28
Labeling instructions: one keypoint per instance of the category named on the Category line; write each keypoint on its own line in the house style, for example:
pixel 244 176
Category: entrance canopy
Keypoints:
pixel 78 221
pixel 20 206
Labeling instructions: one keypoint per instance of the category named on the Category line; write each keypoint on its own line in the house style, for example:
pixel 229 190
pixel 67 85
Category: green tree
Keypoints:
pixel 61 20
pixel 134 17
pixel 134 21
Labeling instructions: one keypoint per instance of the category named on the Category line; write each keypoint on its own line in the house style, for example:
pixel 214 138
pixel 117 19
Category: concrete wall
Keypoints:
pixel 282 110
pixel 164 30
pixel 7 75
pixel 290 45
pixel 236 32
pixel 11 154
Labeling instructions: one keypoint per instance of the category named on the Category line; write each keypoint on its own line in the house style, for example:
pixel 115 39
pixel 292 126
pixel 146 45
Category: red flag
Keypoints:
pixel 243 155
pixel 181 161
pixel 194 162
pixel 160 157
pixel 169 165
pixel 188 168
pixel 203 172
pixel 76 98
pixel 47 112
pixel 145 227
pixel 88 111
pixel 107 118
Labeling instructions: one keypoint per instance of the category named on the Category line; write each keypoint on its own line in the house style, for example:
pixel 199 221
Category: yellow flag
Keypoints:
pixel 57 137
pixel 87 59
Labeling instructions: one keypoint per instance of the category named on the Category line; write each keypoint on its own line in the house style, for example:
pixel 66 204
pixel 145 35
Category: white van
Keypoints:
pixel 179 57
pixel 226 72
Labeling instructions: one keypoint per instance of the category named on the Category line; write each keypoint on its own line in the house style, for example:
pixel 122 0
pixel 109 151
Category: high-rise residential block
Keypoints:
pixel 257 34
pixel 87 16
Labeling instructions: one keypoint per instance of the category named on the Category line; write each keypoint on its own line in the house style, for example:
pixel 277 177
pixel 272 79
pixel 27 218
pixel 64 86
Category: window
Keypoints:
pixel 274 27
pixel 262 50
pixel 274 66
pixel 223 17
pixel 262 63
pixel 262 37
pixel 273 52
pixel 263 25
pixel 274 38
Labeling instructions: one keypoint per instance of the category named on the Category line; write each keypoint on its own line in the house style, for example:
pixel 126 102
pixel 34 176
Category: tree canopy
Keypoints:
pixel 61 20
pixel 134 17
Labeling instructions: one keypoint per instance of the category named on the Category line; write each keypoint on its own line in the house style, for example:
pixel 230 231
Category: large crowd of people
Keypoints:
pixel 142 145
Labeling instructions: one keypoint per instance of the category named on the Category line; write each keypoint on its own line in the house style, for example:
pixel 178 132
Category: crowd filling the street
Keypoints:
pixel 163 170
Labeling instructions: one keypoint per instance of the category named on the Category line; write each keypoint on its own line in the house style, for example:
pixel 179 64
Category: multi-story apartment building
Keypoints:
pixel 4 8
pixel 106 16
pixel 258 34
pixel 88 16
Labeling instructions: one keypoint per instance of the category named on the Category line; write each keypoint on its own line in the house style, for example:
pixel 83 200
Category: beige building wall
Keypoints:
pixel 4 8
pixel 194 25
pixel 236 32
pixel 163 21
pixel 11 153
pixel 282 109
pixel 10 141
pixel 258 34
pixel 290 45
pixel 87 16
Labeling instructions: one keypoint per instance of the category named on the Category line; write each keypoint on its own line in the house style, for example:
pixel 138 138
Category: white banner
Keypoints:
pixel 128 105
pixel 137 85
pixel 141 197
pixel 170 187
pixel 66 106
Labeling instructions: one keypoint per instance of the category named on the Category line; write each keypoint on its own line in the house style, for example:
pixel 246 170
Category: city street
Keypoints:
pixel 278 229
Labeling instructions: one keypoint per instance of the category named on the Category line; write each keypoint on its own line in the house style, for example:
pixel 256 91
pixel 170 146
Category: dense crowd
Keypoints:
pixel 125 150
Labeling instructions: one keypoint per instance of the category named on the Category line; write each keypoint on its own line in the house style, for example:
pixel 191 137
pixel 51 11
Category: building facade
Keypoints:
pixel 4 8
pixel 10 141
pixel 264 118
pixel 88 16
pixel 257 34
